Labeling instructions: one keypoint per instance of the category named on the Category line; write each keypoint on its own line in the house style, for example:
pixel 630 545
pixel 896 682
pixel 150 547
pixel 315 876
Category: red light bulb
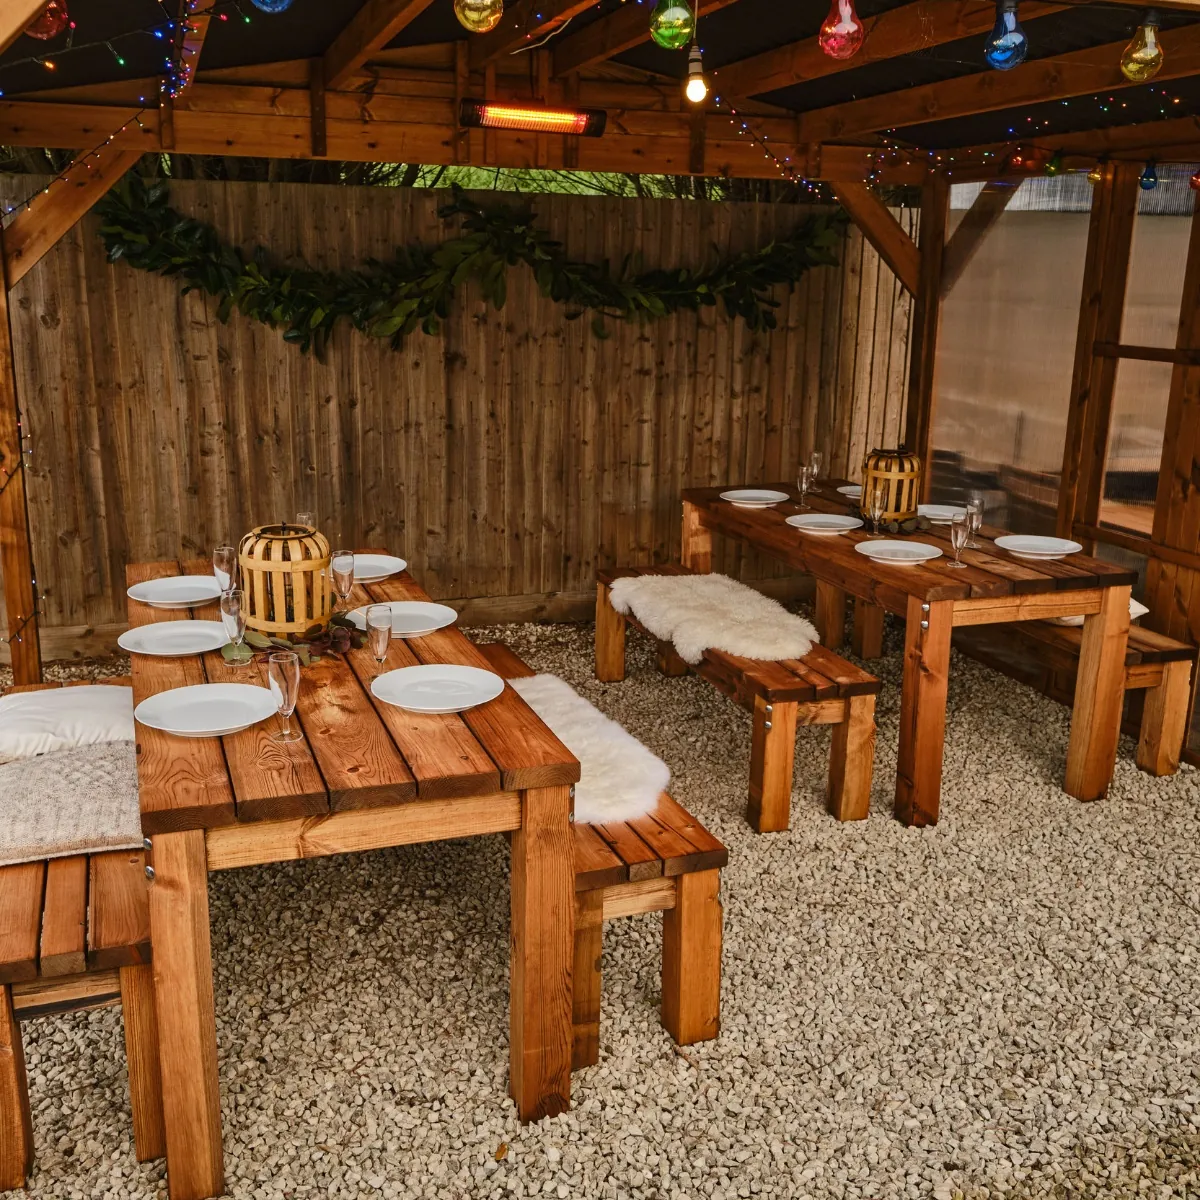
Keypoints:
pixel 1194 182
pixel 842 34
pixel 50 22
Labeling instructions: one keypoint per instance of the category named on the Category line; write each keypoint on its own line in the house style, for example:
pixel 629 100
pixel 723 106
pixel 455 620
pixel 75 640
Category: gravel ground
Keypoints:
pixel 1001 1006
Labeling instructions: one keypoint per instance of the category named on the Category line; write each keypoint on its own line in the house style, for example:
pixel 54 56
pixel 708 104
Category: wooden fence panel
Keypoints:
pixel 507 458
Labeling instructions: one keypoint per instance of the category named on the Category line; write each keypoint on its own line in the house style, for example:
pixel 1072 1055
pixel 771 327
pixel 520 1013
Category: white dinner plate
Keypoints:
pixel 1028 546
pixel 207 709
pixel 411 618
pixel 824 524
pixel 901 554
pixel 754 497
pixel 371 568
pixel 940 514
pixel 172 639
pixel 853 490
pixel 437 688
pixel 176 591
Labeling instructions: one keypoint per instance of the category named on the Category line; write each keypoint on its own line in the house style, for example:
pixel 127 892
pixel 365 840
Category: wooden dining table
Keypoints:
pixel 366 776
pixel 934 598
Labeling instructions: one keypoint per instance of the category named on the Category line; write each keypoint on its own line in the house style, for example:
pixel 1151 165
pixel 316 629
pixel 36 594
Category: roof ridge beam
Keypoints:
pixel 373 27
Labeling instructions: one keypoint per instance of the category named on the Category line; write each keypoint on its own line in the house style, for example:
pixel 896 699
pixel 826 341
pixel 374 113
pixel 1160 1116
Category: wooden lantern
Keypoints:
pixel 285 579
pixel 898 473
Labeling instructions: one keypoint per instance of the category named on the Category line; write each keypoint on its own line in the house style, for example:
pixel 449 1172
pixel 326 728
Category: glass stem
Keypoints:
pixel 287 724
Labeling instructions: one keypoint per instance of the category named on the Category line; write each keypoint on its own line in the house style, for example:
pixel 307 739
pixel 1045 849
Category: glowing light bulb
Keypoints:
pixel 1054 165
pixel 50 22
pixel 697 86
pixel 1143 57
pixel 1149 179
pixel 1194 182
pixel 841 35
pixel 479 16
pixel 1096 174
pixel 1006 45
pixel 672 24
pixel 272 6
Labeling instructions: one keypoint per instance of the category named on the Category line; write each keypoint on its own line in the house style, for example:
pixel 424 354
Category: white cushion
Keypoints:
pixel 33 723
pixel 1137 610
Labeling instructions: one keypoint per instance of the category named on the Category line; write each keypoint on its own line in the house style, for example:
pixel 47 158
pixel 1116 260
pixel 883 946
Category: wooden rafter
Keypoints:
pixel 900 31
pixel 611 35
pixel 978 220
pixel 1078 74
pixel 883 231
pixel 15 18
pixel 523 24
pixel 374 25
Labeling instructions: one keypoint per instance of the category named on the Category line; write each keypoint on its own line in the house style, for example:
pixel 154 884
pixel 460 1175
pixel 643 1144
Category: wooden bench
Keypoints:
pixel 819 689
pixel 1045 656
pixel 666 861
pixel 74 934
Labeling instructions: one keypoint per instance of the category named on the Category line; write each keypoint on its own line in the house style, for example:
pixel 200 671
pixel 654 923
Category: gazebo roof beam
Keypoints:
pixel 374 25
pixel 1097 69
pixel 15 17
pixel 898 31
pixel 523 24
pixel 629 26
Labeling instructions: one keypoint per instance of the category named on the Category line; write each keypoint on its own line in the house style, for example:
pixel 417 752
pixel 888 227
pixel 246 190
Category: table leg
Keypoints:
pixel 183 991
pixel 867 638
pixel 697 541
pixel 831 615
pixel 543 944
pixel 923 710
pixel 1099 696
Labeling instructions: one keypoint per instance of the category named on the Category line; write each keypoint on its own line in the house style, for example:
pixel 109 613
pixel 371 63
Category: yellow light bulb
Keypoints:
pixel 1095 174
pixel 696 88
pixel 1143 57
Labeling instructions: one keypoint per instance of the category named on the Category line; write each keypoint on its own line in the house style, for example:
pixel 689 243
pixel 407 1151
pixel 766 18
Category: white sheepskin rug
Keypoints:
pixel 703 612
pixel 620 779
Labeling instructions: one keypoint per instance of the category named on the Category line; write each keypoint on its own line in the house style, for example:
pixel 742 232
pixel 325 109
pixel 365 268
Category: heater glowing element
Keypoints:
pixel 584 122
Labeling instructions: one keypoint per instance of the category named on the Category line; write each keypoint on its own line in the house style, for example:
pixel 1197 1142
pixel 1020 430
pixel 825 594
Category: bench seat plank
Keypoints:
pixel 63 949
pixel 597 864
pixel 118 932
pixel 679 839
pixel 21 891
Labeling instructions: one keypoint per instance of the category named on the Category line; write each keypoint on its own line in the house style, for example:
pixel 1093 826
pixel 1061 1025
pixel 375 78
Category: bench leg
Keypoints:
pixel 16 1124
pixel 669 662
pixel 691 961
pixel 610 638
pixel 696 548
pixel 141 1051
pixel 852 761
pixel 1164 720
pixel 772 759
pixel 589 947
pixel 867 639
pixel 830 615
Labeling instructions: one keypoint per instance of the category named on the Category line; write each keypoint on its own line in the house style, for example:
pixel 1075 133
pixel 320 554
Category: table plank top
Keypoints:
pixel 990 572
pixel 357 752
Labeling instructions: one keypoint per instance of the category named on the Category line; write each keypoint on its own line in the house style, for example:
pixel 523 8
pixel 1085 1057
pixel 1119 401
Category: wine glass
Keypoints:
pixel 341 566
pixel 960 532
pixel 974 519
pixel 379 630
pixel 804 477
pixel 816 460
pixel 876 502
pixel 306 520
pixel 283 676
pixel 233 617
pixel 225 567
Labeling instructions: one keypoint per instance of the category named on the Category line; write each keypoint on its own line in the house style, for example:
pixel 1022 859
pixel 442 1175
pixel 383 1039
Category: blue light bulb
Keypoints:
pixel 272 6
pixel 1149 179
pixel 1006 45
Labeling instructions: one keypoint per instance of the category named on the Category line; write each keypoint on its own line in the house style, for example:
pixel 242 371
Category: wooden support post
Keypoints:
pixel 462 85
pixel 570 142
pixel 927 311
pixel 16 550
pixel 183 990
pixel 610 638
pixel 698 141
pixel 543 947
pixel 667 659
pixel 1093 378
pixel 691 960
pixel 166 123
pixel 319 135
pixel 830 615
pixel 867 638
pixel 852 761
pixel 1164 723
pixel 923 711
pixel 586 978
pixel 1099 696
pixel 141 1053
pixel 696 553
pixel 16 1124
pixel 973 229
pixel 772 763
pixel 883 231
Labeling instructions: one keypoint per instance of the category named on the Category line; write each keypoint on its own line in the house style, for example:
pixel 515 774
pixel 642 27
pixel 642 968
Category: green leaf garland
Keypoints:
pixel 417 287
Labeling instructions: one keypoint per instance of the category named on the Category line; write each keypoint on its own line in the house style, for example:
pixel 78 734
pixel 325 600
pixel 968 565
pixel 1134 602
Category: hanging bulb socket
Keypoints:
pixel 842 33
pixel 696 88
pixel 1006 45
pixel 1142 59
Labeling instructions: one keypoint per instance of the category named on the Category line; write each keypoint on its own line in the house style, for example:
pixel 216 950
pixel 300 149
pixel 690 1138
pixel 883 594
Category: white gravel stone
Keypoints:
pixel 1001 1006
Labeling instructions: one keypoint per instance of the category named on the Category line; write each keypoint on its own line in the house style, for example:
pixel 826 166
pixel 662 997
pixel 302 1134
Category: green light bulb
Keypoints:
pixel 672 24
